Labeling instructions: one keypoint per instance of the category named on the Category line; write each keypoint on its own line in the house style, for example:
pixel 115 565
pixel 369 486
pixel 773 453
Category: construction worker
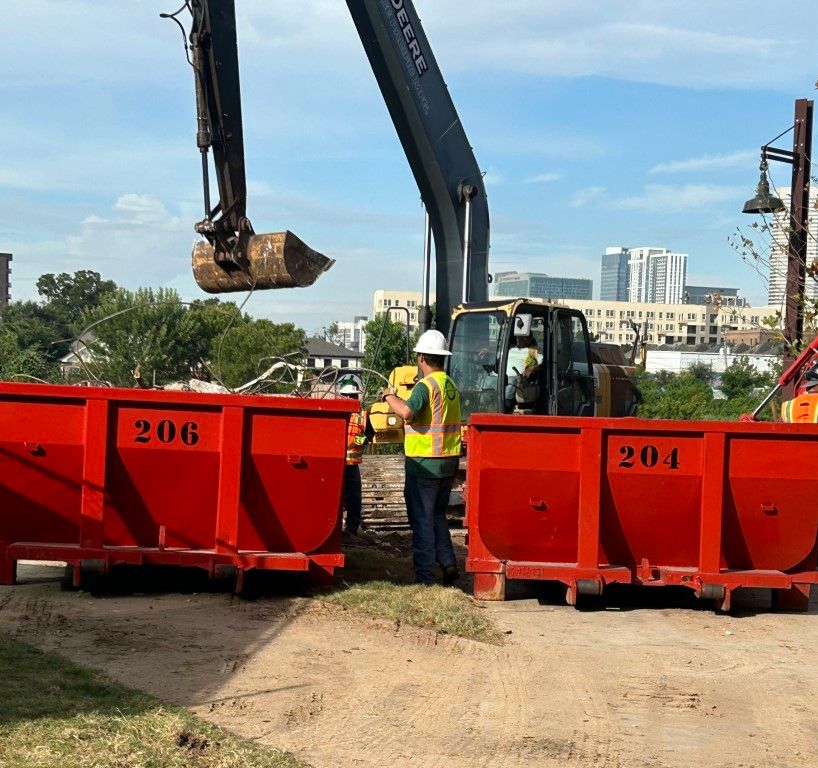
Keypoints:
pixel 432 448
pixel 522 365
pixel 356 440
pixel 803 409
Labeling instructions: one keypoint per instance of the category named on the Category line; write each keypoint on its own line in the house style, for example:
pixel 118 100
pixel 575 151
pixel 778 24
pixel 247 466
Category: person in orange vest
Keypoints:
pixel 356 440
pixel 432 448
pixel 803 408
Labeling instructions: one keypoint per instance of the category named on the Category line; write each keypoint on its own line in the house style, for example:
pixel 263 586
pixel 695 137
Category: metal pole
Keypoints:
pixel 467 192
pixel 203 137
pixel 425 309
pixel 799 224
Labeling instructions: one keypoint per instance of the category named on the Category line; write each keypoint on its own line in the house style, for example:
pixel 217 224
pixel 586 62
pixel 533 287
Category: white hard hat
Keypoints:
pixel 350 385
pixel 432 343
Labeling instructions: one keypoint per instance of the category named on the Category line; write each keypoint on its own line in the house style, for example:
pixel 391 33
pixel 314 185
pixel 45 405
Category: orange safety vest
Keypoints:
pixel 801 410
pixel 356 438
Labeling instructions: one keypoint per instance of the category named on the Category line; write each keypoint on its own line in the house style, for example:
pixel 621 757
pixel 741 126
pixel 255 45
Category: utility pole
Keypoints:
pixel 798 238
pixel 799 224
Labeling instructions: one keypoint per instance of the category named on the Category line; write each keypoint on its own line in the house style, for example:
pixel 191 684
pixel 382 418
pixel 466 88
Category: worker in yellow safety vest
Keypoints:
pixel 803 409
pixel 432 448
pixel 356 440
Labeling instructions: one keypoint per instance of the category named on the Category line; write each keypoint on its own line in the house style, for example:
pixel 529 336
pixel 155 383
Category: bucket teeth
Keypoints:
pixel 277 260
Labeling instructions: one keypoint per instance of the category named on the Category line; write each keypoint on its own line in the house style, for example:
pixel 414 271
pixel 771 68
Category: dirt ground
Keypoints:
pixel 636 681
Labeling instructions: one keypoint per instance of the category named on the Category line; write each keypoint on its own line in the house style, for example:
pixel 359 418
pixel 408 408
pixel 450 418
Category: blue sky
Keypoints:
pixel 623 122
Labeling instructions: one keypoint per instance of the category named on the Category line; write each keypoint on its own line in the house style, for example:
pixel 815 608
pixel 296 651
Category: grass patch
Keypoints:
pixel 378 582
pixel 56 713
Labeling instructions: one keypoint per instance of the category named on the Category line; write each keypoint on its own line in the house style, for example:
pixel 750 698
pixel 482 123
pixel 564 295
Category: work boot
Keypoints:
pixel 450 574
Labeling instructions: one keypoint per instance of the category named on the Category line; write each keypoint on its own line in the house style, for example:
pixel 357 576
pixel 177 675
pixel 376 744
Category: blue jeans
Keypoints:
pixel 352 497
pixel 426 501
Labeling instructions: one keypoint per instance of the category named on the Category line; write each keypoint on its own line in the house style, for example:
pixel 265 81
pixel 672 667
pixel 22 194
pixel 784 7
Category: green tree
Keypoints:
pixel 248 347
pixel 742 378
pixel 47 326
pixel 69 296
pixel 210 319
pixel 683 396
pixel 146 329
pixel 385 347
pixel 34 326
pixel 17 361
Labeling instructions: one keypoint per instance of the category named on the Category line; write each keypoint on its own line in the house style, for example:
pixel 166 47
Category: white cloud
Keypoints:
pixel 661 198
pixel 695 44
pixel 543 178
pixel 585 196
pixel 138 242
pixel 740 159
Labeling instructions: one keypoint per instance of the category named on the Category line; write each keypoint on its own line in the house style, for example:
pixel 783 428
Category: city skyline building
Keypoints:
pixel 614 276
pixel 710 294
pixel 537 285
pixel 656 275
pixel 780 248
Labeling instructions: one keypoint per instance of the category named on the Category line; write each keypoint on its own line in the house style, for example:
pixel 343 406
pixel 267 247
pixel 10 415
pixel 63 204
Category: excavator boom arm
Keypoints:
pixel 426 121
pixel 218 106
pixel 435 143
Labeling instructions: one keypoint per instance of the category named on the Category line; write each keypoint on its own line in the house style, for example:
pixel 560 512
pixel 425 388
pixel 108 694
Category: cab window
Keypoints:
pixel 474 364
pixel 574 374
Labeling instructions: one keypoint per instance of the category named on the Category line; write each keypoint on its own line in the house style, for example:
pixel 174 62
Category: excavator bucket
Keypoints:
pixel 277 260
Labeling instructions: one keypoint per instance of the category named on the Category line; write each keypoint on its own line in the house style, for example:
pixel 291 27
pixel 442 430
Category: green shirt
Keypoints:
pixel 422 466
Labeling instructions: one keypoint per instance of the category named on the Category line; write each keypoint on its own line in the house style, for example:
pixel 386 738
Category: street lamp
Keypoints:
pixel 764 202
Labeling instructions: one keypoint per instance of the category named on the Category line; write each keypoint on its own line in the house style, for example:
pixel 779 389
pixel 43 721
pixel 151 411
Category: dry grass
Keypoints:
pixel 378 582
pixel 56 713
pixel 444 609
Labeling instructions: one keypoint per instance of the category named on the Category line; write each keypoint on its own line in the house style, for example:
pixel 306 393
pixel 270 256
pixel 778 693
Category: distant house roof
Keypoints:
pixel 321 348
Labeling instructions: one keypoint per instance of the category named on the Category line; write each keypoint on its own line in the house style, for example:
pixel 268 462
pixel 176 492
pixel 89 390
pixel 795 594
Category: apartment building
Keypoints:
pixel 383 301
pixel 656 275
pixel 665 323
pixel 352 334
pixel 780 249
pixel 5 279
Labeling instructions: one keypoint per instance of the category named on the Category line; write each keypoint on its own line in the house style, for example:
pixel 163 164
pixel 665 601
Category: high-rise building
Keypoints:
pixel 539 286
pixel 5 279
pixel 613 285
pixel 656 275
pixel 780 248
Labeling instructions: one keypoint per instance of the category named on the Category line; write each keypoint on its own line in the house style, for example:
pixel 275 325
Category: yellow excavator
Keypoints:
pixel 512 355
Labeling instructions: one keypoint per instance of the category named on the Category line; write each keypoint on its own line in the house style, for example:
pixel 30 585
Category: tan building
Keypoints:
pixel 384 300
pixel 752 338
pixel 668 323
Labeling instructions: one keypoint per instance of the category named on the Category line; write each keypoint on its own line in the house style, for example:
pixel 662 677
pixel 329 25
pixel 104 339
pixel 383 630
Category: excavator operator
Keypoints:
pixel 803 409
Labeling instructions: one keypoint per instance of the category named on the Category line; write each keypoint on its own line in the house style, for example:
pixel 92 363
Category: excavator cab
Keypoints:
pixel 524 357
